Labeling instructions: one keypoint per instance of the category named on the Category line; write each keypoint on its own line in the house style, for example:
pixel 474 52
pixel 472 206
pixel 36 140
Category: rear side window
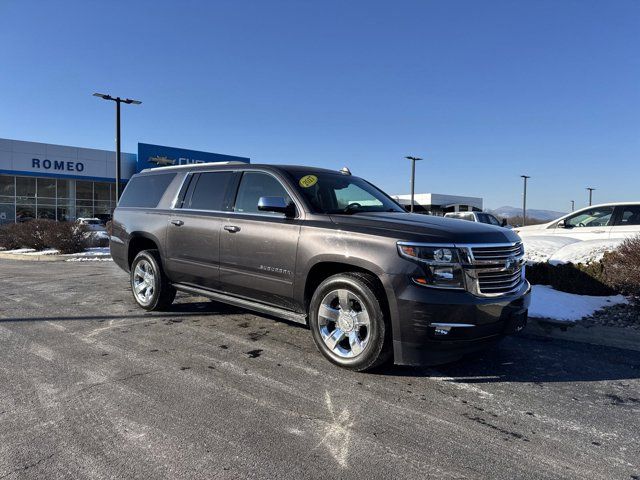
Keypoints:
pixel 210 191
pixel 145 191
pixel 630 215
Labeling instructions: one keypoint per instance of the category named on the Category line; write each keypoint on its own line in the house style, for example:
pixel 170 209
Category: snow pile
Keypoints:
pixel 585 252
pixel 557 249
pixel 567 307
pixel 539 248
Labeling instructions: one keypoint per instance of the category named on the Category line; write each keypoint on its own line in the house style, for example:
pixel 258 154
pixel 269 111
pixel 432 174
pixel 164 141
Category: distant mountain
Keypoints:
pixel 546 215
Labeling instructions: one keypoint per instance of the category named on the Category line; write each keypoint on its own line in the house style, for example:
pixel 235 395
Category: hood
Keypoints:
pixel 424 228
pixel 532 228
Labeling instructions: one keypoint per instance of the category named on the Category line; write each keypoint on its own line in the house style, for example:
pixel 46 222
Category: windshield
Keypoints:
pixel 488 218
pixel 337 193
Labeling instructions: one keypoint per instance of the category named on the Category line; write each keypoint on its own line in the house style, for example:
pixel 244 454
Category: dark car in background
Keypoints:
pixel 326 249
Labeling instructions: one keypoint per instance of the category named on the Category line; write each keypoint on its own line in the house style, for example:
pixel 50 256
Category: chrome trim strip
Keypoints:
pixel 451 325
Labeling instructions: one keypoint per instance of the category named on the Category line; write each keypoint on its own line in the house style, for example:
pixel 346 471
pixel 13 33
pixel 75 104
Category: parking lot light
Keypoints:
pixel 118 101
pixel 524 200
pixel 413 177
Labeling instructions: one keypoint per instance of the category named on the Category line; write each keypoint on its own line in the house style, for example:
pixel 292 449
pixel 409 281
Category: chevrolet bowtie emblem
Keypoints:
pixel 162 161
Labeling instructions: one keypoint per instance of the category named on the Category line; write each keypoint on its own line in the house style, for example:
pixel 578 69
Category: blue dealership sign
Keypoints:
pixel 151 156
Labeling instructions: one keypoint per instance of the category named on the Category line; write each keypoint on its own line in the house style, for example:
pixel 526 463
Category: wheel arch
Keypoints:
pixel 139 241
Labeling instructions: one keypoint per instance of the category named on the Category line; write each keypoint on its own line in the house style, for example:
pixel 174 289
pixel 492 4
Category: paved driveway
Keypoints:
pixel 93 387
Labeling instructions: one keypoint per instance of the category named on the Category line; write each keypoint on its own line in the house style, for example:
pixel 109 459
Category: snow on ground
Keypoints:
pixel 19 250
pixel 48 251
pixel 567 307
pixel 89 259
pixel 94 254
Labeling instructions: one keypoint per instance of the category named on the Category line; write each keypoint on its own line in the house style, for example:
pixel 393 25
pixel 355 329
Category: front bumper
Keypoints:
pixel 417 339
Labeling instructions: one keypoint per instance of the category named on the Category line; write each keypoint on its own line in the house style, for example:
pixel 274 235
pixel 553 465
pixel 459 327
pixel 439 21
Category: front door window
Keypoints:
pixel 595 217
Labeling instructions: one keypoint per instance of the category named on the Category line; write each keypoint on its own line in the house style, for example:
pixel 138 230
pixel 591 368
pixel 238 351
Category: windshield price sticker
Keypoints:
pixel 308 181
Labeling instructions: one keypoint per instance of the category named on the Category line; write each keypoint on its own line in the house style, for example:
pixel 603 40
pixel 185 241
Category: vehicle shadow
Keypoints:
pixel 186 308
pixel 533 360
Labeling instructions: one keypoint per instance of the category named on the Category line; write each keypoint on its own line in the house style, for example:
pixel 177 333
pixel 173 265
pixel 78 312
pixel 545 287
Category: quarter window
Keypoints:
pixel 210 191
pixel 144 191
pixel 255 185
pixel 595 217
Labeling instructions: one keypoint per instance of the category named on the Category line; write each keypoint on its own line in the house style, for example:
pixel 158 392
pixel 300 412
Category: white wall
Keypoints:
pixel 47 159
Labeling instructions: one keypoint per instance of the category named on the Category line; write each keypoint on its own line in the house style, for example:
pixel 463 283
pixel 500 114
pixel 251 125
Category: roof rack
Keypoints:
pixel 191 165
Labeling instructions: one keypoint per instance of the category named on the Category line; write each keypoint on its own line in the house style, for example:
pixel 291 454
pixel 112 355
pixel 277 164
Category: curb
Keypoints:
pixel 41 258
pixel 625 338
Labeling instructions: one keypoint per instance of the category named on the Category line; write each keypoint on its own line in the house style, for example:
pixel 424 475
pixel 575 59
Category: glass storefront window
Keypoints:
pixel 47 211
pixel 25 212
pixel 26 187
pixel 7 213
pixel 7 187
pixel 65 189
pixel 46 188
pixel 24 198
pixel 101 191
pixel 84 190
pixel 66 211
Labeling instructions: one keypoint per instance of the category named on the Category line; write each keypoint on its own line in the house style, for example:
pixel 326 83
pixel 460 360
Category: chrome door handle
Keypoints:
pixel 598 231
pixel 231 228
pixel 177 223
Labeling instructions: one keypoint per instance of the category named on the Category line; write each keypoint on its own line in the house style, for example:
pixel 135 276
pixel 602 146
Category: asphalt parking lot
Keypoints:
pixel 93 387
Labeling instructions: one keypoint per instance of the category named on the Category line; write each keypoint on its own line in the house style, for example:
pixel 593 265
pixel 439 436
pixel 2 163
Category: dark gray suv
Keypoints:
pixel 326 249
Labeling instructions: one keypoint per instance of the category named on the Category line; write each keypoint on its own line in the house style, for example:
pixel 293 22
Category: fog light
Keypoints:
pixel 442 331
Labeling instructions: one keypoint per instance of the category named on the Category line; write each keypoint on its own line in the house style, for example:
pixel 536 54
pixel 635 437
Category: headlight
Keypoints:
pixel 441 264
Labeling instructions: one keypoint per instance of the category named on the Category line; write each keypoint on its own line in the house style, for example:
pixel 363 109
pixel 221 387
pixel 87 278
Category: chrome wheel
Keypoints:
pixel 144 281
pixel 344 324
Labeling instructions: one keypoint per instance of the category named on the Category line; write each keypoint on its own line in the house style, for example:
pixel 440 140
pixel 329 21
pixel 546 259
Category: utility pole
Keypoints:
pixel 413 177
pixel 590 189
pixel 118 101
pixel 573 205
pixel 524 200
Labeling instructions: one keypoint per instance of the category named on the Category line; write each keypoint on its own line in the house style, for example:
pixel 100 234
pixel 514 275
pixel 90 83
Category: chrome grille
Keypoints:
pixel 497 269
pixel 499 282
pixel 500 253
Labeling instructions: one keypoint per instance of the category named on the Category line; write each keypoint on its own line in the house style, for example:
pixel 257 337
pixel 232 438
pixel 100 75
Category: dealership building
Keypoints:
pixel 439 204
pixel 40 180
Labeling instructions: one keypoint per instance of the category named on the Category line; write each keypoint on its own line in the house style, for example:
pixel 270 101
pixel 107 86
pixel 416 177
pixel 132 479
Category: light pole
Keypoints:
pixel 590 189
pixel 118 101
pixel 524 200
pixel 573 205
pixel 413 177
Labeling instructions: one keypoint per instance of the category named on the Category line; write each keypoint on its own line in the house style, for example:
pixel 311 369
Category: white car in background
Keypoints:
pixel 92 224
pixel 480 217
pixel 598 222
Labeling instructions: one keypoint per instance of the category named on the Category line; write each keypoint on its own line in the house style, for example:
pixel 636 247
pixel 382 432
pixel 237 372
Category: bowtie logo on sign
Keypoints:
pixel 162 161
pixel 58 165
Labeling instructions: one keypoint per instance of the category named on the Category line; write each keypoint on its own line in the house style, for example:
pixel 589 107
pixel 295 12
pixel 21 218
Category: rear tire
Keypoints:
pixel 150 286
pixel 348 321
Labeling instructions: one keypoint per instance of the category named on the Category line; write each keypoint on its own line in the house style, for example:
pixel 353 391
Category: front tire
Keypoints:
pixel 150 287
pixel 348 321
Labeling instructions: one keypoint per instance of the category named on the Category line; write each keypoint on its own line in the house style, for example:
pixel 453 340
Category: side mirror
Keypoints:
pixel 277 205
pixel 562 224
pixel 504 222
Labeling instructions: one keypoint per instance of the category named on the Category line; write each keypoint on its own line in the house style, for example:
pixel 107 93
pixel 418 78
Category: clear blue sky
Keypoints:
pixel 483 90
